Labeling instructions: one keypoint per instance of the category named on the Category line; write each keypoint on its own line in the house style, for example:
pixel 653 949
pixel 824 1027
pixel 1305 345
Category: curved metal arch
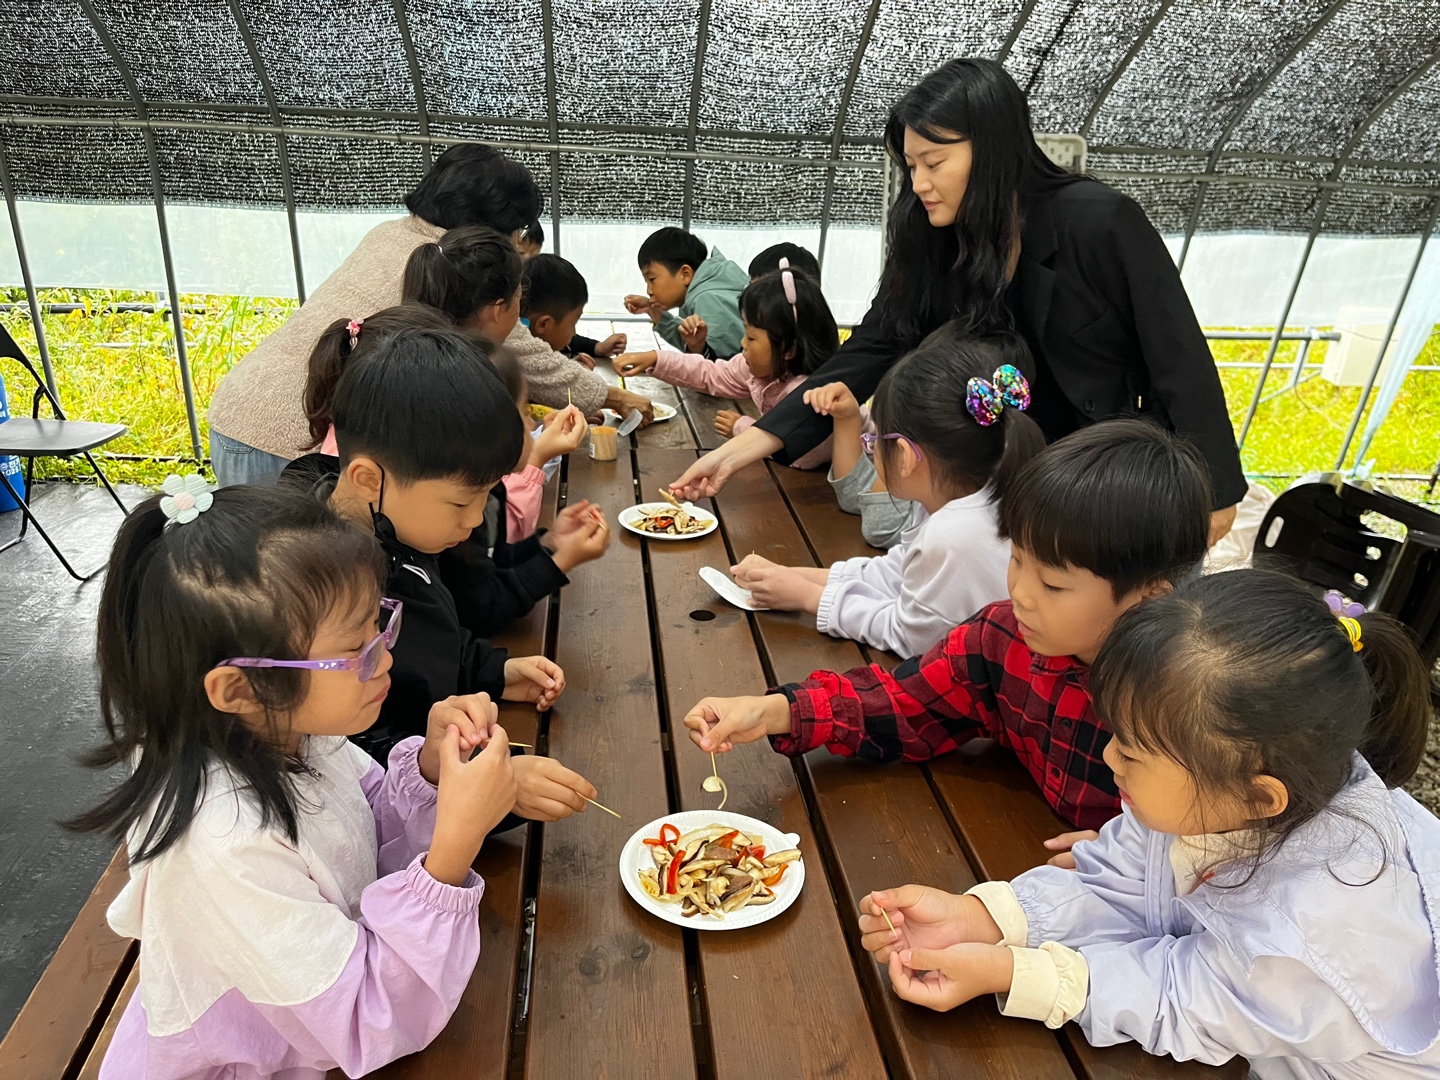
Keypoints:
pixel 1125 61
pixel 1243 110
pixel 1026 10
pixel 157 182
pixel 841 114
pixel 1322 204
pixel 417 79
pixel 282 151
pixel 692 123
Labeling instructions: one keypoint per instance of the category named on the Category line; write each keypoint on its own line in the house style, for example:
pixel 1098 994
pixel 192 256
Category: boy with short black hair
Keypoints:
pixel 425 429
pixel 553 295
pixel 705 289
pixel 1099 521
pixel 768 261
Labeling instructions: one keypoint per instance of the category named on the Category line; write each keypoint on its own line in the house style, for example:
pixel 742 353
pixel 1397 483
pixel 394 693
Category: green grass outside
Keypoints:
pixel 120 366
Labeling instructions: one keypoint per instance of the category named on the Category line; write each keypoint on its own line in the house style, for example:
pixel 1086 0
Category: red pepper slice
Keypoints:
pixel 650 841
pixel 724 841
pixel 666 839
pixel 671 875
pixel 758 852
pixel 774 879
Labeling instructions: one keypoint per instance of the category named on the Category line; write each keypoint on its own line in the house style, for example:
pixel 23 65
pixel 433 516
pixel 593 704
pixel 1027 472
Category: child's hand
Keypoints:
pixel 624 402
pixel 941 979
pixel 725 422
pixel 547 791
pixel 586 538
pixel 635 363
pixel 475 794
pixel 585 360
pixel 474 717
pixel 533 678
pixel 717 724
pixel 924 918
pixel 833 400
pixel 694 331
pixel 563 431
pixel 613 344
pixel 781 588
pixel 1063 843
pixel 643 305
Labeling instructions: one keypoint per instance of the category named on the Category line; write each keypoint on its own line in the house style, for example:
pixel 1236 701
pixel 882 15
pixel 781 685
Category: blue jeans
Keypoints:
pixel 236 462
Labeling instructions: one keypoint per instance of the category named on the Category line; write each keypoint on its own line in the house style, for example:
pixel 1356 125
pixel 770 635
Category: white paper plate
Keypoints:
pixel 636 855
pixel 662 412
pixel 632 514
pixel 726 589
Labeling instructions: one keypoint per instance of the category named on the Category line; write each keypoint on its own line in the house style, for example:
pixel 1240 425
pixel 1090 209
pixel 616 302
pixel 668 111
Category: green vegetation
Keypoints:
pixel 121 366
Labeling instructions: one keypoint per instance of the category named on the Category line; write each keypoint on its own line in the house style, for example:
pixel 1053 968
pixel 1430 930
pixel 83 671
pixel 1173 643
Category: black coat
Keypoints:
pixel 1099 301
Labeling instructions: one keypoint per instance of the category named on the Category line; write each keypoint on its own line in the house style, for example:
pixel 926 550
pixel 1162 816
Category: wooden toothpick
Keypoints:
pixel 602 806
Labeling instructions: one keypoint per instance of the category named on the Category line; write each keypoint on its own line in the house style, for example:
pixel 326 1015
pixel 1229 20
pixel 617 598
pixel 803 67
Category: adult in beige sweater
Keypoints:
pixel 257 416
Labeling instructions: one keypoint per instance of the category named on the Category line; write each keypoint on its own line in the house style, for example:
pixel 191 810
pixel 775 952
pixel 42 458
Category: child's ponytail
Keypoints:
pixel 467 269
pixel 343 341
pixel 802 333
pixel 1394 739
pixel 927 398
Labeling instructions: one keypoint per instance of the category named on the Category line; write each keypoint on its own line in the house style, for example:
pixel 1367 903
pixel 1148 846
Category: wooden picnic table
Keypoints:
pixel 574 979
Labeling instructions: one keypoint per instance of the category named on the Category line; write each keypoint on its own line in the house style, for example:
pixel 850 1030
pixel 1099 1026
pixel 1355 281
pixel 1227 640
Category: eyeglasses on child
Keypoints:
pixel 365 664
pixel 868 441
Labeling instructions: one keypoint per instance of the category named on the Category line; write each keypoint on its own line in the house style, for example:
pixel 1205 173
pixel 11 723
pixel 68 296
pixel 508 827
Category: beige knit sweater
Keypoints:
pixel 553 378
pixel 261 400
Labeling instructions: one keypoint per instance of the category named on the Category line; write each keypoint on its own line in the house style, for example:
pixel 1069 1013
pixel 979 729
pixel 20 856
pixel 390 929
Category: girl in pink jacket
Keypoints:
pixel 789 332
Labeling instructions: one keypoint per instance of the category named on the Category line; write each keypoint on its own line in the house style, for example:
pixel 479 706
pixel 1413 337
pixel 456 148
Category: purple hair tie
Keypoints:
pixel 1340 608
pixel 986 400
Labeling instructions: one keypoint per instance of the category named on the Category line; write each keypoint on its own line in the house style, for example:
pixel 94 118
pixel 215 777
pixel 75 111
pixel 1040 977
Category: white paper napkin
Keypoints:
pixel 727 590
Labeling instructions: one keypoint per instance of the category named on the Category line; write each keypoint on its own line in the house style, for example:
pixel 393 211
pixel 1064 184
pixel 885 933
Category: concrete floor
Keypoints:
pixel 49 714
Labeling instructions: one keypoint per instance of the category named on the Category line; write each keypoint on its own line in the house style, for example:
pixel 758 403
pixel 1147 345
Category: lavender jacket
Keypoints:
pixel 260 957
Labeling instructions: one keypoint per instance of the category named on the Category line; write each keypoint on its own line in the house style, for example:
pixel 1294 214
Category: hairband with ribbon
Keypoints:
pixel 985 400
pixel 354 327
pixel 1349 616
pixel 787 282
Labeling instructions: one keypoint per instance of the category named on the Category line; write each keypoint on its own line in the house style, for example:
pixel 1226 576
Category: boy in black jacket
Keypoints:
pixel 425 428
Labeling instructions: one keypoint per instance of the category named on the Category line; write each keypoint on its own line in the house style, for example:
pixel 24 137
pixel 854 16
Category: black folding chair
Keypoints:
pixel 1317 531
pixel 31 437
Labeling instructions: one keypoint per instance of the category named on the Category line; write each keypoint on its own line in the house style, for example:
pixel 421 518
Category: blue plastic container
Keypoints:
pixel 10 466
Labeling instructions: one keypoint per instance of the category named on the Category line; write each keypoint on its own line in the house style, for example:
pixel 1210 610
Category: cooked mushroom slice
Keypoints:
pixel 779 858
pixel 736 898
pixel 760 898
pixel 709 832
pixel 660 856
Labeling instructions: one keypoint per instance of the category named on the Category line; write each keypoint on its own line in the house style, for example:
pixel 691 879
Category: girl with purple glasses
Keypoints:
pixel 950 432
pixel 298 907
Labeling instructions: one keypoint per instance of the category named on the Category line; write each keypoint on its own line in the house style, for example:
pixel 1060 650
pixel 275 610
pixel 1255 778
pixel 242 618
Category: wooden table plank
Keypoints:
pixel 68 1007
pixel 96 1058
pixel 609 995
pixel 700 409
pixel 882 825
pixel 834 534
pixel 762 979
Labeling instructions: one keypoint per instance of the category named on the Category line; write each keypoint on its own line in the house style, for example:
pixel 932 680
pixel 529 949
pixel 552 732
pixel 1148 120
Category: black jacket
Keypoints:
pixel 435 655
pixel 493 581
pixel 1099 301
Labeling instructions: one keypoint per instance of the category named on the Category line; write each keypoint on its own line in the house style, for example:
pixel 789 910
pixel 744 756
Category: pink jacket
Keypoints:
pixel 732 379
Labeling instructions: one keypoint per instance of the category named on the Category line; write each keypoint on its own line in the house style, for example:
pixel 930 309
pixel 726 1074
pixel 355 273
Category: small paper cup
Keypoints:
pixel 602 443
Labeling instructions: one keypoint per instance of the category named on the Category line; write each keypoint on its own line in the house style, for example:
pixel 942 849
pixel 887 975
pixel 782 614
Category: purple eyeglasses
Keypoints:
pixel 366 664
pixel 868 441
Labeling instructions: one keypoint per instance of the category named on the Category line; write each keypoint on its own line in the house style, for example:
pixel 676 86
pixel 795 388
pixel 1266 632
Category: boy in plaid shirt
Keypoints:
pixel 1099 521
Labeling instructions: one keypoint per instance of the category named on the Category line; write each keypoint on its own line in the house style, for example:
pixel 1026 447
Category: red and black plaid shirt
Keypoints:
pixel 981 681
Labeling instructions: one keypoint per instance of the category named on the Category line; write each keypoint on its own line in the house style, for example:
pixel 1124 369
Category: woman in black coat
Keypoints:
pixel 993 234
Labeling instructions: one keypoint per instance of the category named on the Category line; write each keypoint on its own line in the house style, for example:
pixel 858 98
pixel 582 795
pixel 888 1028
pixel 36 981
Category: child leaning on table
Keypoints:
pixel 679 274
pixel 1098 522
pixel 789 332
pixel 953 437
pixel 298 907
pixel 1267 892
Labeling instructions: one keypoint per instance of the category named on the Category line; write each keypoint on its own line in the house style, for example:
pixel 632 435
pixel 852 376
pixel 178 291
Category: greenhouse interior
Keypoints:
pixel 179 179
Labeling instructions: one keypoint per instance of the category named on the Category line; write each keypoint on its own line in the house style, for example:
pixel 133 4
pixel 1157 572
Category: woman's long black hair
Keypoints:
pixel 933 274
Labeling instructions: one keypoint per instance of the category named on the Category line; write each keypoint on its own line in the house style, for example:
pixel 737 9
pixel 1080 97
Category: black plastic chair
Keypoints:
pixel 31 437
pixel 1317 531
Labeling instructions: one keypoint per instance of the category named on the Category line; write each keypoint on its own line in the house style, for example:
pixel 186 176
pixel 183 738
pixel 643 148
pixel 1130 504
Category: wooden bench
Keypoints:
pixel 574 979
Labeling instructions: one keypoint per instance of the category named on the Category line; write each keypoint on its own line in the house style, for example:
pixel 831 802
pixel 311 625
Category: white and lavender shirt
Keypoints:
pixel 946 567
pixel 1323 965
pixel 261 957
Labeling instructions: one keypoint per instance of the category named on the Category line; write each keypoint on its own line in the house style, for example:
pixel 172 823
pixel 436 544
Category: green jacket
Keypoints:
pixel 714 295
